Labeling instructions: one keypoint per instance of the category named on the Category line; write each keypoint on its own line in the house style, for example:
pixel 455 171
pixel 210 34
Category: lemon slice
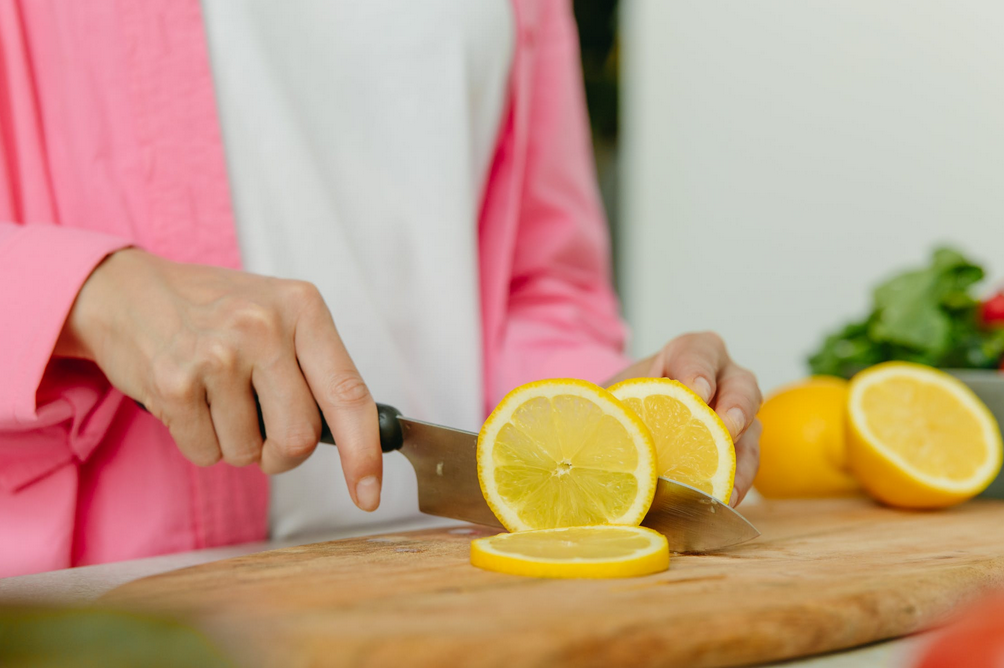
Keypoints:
pixel 920 438
pixel 561 453
pixel 692 443
pixel 574 552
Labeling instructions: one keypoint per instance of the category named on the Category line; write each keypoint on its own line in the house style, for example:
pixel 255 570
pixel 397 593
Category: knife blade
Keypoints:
pixel 693 521
pixel 445 463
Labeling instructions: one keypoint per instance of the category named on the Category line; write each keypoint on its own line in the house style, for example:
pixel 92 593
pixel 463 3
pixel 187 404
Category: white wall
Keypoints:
pixel 782 156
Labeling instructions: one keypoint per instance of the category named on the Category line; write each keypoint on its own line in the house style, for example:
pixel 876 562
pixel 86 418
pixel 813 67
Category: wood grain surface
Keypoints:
pixel 825 575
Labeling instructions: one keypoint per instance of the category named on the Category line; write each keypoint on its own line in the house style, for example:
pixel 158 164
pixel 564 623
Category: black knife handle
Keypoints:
pixel 391 435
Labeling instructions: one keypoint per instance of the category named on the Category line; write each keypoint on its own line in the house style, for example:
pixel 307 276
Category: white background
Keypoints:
pixel 780 157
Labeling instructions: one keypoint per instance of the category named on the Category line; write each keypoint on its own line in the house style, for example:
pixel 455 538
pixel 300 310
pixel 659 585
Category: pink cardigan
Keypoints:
pixel 109 137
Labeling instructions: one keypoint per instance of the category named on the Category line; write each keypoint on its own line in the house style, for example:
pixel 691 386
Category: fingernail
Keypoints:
pixel 368 493
pixel 738 420
pixel 703 388
pixel 734 499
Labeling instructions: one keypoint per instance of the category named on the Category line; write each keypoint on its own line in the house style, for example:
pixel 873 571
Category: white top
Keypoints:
pixel 358 137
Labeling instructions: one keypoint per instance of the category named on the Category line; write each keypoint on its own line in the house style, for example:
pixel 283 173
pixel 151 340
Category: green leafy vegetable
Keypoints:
pixel 926 315
pixel 99 638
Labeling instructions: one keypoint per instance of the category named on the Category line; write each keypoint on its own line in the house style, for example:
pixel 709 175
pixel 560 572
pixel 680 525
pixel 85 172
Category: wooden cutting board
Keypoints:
pixel 825 575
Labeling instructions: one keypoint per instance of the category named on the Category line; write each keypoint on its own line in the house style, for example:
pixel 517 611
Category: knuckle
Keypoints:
pixel 207 459
pixel 269 467
pixel 754 395
pixel 298 442
pixel 218 356
pixel 303 294
pixel 370 460
pixel 241 458
pixel 255 319
pixel 691 350
pixel 347 389
pixel 742 389
pixel 173 383
pixel 675 345
pixel 749 403
pixel 747 376
pixel 202 456
pixel 754 462
pixel 712 338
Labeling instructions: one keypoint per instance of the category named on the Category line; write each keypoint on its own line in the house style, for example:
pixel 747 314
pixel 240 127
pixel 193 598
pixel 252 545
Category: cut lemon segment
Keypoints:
pixel 564 452
pixel 918 437
pixel 692 443
pixel 574 552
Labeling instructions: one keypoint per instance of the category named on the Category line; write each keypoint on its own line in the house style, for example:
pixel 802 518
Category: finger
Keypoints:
pixel 235 421
pixel 747 462
pixel 179 401
pixel 192 430
pixel 738 399
pixel 695 361
pixel 344 399
pixel 177 397
pixel 292 421
pixel 231 403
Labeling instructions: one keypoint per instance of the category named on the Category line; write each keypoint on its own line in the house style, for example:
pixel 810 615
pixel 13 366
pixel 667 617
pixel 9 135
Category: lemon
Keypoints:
pixel 803 448
pixel 920 438
pixel 574 552
pixel 692 444
pixel 564 452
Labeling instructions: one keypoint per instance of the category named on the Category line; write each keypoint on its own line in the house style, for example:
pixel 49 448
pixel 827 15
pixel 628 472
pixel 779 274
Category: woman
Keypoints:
pixel 418 174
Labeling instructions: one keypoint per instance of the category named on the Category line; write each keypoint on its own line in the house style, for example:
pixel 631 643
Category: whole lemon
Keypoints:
pixel 803 449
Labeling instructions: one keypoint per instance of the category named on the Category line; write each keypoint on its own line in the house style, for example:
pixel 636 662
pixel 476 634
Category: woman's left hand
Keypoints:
pixel 701 362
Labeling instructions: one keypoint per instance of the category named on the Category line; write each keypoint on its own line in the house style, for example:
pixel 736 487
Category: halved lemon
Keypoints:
pixel 563 453
pixel 692 444
pixel 918 437
pixel 574 552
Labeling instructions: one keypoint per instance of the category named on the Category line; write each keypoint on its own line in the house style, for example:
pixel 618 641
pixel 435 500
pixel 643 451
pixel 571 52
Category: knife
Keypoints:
pixel 445 463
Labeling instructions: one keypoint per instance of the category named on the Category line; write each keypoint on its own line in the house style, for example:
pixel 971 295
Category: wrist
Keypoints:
pixel 88 318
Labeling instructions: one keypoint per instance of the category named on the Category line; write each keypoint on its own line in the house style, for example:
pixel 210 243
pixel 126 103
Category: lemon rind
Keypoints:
pixel 639 388
pixel 646 561
pixel 551 388
pixel 928 375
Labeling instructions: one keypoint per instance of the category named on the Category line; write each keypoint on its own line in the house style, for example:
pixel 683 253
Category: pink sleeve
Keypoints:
pixel 563 314
pixel 42 268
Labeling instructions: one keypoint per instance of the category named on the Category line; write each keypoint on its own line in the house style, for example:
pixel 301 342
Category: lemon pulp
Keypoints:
pixel 691 442
pixel 565 453
pixel 925 425
pixel 919 438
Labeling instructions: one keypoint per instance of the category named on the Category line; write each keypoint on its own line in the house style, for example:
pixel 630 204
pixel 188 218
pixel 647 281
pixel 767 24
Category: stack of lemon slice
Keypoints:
pixel 571 469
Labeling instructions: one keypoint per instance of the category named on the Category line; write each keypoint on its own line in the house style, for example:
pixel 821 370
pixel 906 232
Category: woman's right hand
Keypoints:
pixel 194 344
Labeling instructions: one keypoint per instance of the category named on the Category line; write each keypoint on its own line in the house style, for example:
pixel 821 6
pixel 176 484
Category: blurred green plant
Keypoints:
pixel 89 637
pixel 597 20
pixel 928 316
pixel 598 44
